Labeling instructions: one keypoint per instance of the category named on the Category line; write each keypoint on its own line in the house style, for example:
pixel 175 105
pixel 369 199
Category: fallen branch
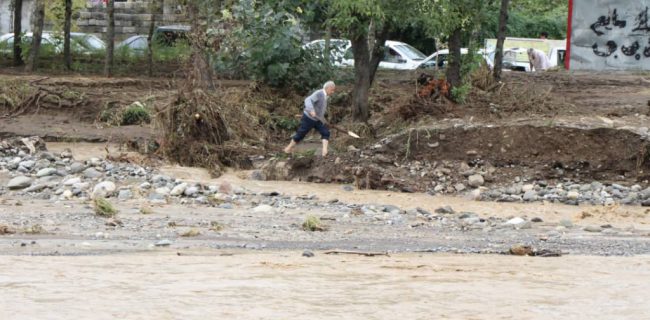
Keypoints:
pixel 361 253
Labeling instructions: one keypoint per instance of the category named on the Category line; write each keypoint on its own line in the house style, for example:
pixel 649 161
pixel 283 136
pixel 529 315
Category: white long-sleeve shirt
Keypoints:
pixel 538 60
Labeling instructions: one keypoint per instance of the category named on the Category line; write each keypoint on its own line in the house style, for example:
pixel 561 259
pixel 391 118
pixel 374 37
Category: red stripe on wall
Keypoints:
pixel 567 57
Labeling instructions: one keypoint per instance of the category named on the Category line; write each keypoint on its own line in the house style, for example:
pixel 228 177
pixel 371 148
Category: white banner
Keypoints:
pixel 610 35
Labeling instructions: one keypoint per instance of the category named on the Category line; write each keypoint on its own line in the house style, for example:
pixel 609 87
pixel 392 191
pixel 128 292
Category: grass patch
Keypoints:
pixel 216 226
pixel 35 229
pixel 191 233
pixel 313 223
pixel 104 208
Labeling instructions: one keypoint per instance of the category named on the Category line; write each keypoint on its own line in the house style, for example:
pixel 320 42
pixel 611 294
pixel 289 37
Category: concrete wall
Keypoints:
pixel 131 17
pixel 7 16
pixel 610 35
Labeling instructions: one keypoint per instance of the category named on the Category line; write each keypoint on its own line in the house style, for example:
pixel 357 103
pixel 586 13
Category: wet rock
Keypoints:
pixel 104 189
pixel 163 243
pixel 45 172
pixel 71 181
pixel 475 181
pixel 646 203
pixel 530 195
pixel 36 188
pixel 19 182
pixel 307 254
pixel 593 229
pixel 537 220
pixel 91 173
pixel 76 167
pixel 27 164
pixel 445 210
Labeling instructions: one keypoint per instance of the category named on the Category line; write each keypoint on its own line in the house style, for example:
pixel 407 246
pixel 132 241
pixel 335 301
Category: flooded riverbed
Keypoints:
pixel 285 285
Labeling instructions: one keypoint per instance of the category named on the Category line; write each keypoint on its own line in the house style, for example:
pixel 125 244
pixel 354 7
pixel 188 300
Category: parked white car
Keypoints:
pixel 440 59
pixel 398 55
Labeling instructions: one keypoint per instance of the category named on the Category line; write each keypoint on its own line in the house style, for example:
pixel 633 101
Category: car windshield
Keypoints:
pixel 92 42
pixel 410 52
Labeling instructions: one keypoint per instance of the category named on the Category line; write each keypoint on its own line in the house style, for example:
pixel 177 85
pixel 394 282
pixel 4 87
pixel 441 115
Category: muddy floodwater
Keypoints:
pixel 285 285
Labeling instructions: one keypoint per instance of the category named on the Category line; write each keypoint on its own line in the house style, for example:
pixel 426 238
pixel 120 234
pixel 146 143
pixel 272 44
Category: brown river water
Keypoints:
pixel 285 285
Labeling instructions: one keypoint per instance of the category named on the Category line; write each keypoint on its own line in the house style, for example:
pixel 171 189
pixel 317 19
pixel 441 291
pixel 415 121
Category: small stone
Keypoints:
pixel 348 188
pixel 66 195
pixel 27 164
pixel 264 208
pixel 573 195
pixel 45 172
pixel 104 189
pixel 530 195
pixel 515 221
pixel 225 187
pixel 445 210
pixel 593 229
pixel 537 220
pixel 91 173
pixel 476 194
pixel 163 243
pixel 566 223
pixel 19 182
pixel 145 186
pixel 475 181
pixel 191 191
pixel 71 181
pixel 527 187
pixel 307 254
pixel 76 167
pixel 459 187
pixel 178 189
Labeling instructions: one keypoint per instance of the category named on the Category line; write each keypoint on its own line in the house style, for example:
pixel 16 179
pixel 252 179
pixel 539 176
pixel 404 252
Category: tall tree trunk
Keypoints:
pixel 67 58
pixel 360 92
pixel 18 14
pixel 201 73
pixel 39 17
pixel 378 51
pixel 152 23
pixel 110 38
pixel 501 37
pixel 453 69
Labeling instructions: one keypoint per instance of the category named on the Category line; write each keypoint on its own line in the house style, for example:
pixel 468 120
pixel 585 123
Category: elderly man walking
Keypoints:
pixel 312 117
pixel 538 60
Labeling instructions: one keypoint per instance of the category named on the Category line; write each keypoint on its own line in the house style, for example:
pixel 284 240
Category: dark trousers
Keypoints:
pixel 306 124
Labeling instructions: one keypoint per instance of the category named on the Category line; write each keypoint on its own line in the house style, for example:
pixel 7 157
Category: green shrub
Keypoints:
pixel 104 208
pixel 136 113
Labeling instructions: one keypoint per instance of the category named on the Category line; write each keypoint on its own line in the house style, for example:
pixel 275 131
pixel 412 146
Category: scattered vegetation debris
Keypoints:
pixel 313 223
pixel 216 226
pixel 34 229
pixel 6 229
pixel 191 233
pixel 104 208
pixel 524 250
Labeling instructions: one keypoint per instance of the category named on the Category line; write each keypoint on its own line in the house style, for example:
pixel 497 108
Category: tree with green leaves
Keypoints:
pixel 18 15
pixel 39 18
pixel 67 28
pixel 367 24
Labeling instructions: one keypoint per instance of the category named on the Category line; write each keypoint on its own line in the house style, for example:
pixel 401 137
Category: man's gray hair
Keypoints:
pixel 329 84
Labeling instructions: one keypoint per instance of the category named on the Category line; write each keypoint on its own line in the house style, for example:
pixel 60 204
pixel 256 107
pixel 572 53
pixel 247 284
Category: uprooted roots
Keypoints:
pixel 211 129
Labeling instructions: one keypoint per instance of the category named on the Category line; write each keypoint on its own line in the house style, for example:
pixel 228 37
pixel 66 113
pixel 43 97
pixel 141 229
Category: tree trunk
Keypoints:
pixel 18 14
pixel 453 68
pixel 152 23
pixel 201 73
pixel 39 17
pixel 378 51
pixel 110 38
pixel 501 37
pixel 360 103
pixel 67 58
